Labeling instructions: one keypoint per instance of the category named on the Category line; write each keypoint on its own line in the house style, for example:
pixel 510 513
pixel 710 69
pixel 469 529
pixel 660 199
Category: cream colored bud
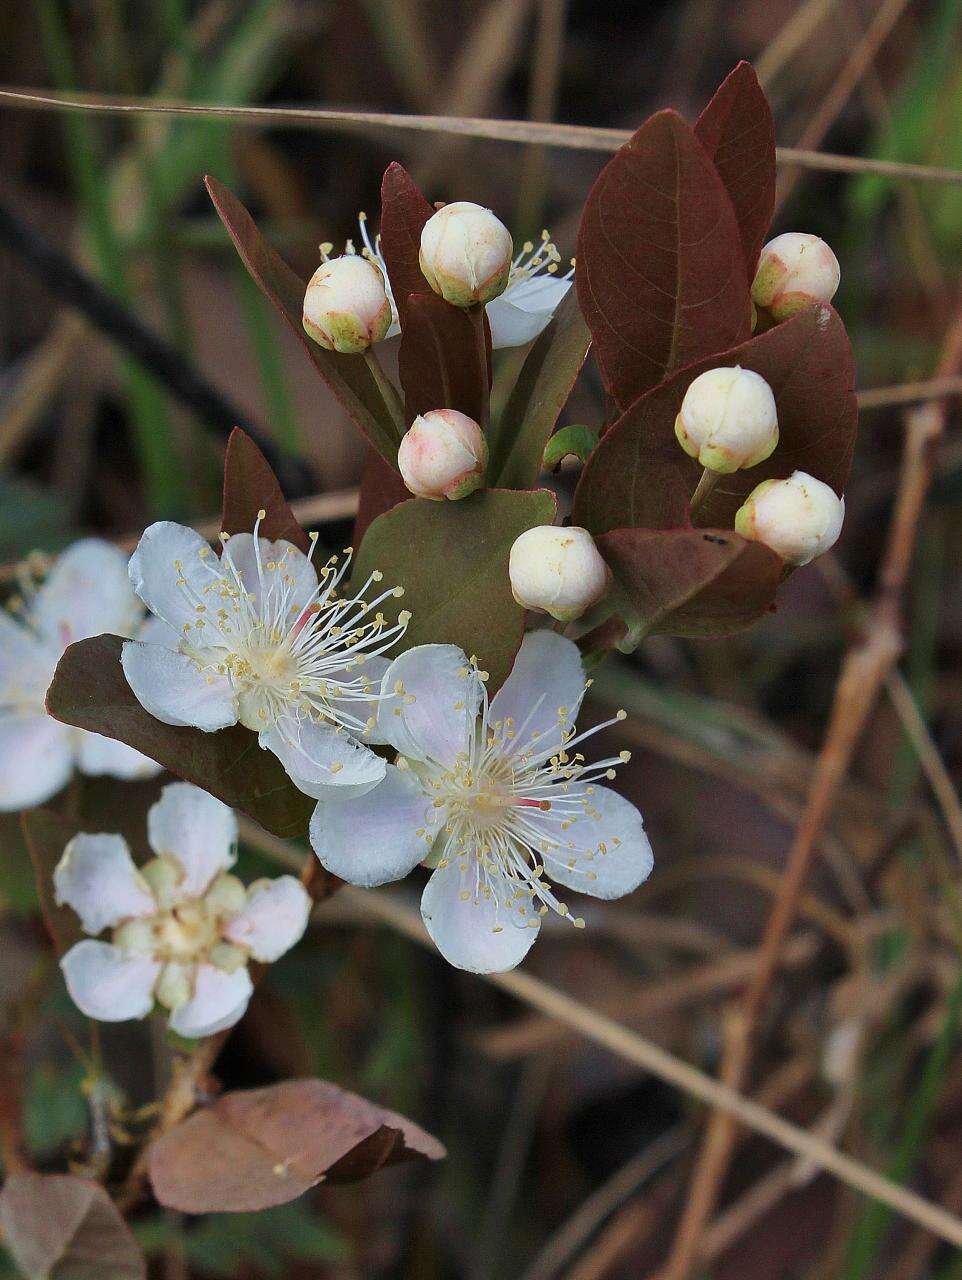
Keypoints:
pixel 443 455
pixel 135 937
pixel 794 270
pixel 466 254
pixel 728 420
pixel 557 571
pixel 227 896
pixel 346 306
pixel 174 986
pixel 165 877
pixel 799 518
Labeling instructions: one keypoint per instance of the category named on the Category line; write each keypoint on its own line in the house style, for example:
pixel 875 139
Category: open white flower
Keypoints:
pixel 182 928
pixel 496 797
pixel 261 638
pixel 86 592
pixel 520 313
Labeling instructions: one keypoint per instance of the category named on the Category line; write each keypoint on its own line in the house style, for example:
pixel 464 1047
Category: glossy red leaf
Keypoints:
pixel 404 211
pixel 442 363
pixel 660 275
pixel 640 477
pixel 250 486
pixel 264 1147
pixel 738 133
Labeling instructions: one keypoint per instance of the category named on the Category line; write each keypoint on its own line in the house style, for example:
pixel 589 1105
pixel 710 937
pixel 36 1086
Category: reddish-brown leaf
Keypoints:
pixel 381 490
pixel 65 1228
pixel 264 1147
pixel 661 275
pixel 251 486
pixel 47 835
pixel 442 363
pixel 691 582
pixel 348 377
pixel 738 133
pixel 404 211
pixel 640 477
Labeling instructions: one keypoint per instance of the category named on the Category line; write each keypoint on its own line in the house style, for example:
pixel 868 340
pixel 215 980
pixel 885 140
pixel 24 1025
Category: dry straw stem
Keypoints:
pixel 567 136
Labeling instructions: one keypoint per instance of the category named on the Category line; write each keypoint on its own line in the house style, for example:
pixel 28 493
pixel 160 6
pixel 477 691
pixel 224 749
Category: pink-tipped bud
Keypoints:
pixel 794 270
pixel 466 254
pixel 728 420
pixel 443 455
pixel 346 306
pixel 557 571
pixel 799 518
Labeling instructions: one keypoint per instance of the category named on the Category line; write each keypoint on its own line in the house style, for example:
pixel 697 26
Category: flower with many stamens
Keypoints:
pixel 535 287
pixel 496 796
pixel 259 637
pixel 86 592
pixel 183 929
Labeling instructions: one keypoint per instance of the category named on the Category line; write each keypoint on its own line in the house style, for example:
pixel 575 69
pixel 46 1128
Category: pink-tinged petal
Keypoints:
pixel 604 852
pixel 542 694
pixel 36 759
pixel 525 310
pixel 379 837
pixel 362 677
pixel 477 928
pixel 170 686
pixel 97 878
pixel 108 984
pixel 173 571
pixel 434 718
pixel 197 830
pixel 220 999
pixel 321 760
pixel 274 919
pixel 87 592
pixel 292 579
pixel 98 755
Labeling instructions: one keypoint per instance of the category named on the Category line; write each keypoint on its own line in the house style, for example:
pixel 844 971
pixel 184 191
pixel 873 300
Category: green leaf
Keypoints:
pixel 540 393
pixel 89 690
pixel 451 558
pixel 575 441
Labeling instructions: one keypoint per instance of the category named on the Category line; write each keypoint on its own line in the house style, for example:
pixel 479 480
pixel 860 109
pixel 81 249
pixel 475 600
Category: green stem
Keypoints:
pixel 477 319
pixel 389 394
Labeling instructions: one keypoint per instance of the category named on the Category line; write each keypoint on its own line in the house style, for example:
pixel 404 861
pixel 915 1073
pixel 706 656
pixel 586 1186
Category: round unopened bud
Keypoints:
pixel 346 306
pixel 557 571
pixel 728 420
pixel 799 518
pixel 466 254
pixel 443 455
pixel 794 270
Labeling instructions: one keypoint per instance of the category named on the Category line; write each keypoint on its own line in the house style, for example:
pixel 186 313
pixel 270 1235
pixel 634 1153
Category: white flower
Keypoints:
pixel 346 306
pixel 86 593
pixel 794 270
pixel 443 454
pixel 518 315
pixel 497 797
pixel 261 638
pixel 182 928
pixel 799 518
pixel 728 419
pixel 557 570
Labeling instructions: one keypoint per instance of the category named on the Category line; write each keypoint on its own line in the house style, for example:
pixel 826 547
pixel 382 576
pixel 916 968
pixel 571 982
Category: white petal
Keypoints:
pixel 197 829
pixel 371 672
pixel 293 579
pixel 542 694
pixel 87 592
pixel 323 761
pixel 156 631
pixel 611 852
pixel 375 839
pixel 520 314
pixel 98 755
pixel 108 984
pixel 26 664
pixel 220 999
pixel 173 570
pixel 36 759
pixel 97 878
pixel 274 919
pixel 173 690
pixel 477 931
pixel 435 716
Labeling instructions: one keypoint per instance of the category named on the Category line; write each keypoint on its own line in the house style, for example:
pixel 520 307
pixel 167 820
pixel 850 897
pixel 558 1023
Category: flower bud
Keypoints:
pixel 557 571
pixel 466 254
pixel 799 518
pixel 794 270
pixel 346 306
pixel 443 455
pixel 728 419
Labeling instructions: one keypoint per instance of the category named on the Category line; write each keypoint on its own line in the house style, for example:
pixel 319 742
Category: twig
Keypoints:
pixel 12 1143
